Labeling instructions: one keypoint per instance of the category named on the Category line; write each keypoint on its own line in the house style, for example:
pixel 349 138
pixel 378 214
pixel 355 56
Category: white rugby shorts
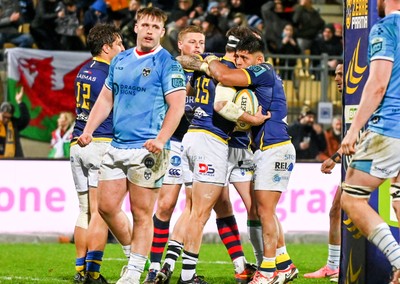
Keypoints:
pixel 85 164
pixel 273 167
pixel 207 157
pixel 139 166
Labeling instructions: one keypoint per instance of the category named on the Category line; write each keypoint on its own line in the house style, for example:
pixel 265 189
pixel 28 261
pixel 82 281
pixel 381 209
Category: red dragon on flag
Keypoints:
pixel 48 81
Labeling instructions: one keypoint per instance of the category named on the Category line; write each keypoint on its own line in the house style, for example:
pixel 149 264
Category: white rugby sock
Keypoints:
pixel 382 237
pixel 333 256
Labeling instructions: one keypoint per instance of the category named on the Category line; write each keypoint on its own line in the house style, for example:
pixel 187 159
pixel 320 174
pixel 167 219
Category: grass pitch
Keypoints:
pixel 54 263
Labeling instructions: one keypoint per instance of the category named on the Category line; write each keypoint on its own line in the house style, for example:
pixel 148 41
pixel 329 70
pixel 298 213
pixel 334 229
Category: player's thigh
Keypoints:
pixel 142 200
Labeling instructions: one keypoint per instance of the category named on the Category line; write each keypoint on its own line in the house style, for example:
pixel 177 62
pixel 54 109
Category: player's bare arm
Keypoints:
pixel 176 108
pixel 374 90
pixel 226 75
pixel 192 62
pixel 98 114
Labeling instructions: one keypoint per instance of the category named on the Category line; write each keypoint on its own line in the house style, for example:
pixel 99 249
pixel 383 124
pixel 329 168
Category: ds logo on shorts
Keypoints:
pixel 206 169
pixel 174 172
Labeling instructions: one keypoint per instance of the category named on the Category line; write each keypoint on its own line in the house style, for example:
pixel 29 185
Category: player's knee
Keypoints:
pixel 83 220
pixel 357 191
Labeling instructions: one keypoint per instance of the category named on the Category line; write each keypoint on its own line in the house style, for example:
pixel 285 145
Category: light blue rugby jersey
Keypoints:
pixel 384 42
pixel 139 84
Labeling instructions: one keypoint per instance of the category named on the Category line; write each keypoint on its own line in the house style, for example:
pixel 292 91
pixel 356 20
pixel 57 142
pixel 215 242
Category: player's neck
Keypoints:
pixel 141 51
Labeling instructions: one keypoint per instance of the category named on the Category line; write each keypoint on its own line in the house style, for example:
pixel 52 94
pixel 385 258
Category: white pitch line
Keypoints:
pixel 179 261
pixel 32 279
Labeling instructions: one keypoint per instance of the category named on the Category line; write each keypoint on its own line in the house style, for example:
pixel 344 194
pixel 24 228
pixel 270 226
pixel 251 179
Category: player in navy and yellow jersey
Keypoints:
pixel 207 152
pixel 376 157
pixel 191 40
pixel 104 42
pixel 274 156
pixel 145 88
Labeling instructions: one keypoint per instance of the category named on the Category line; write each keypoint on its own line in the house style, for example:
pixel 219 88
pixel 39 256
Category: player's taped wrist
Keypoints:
pixel 231 111
pixel 337 158
pixel 204 67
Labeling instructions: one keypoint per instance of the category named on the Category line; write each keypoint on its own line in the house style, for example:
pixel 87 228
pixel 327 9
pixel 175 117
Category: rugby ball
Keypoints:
pixel 246 99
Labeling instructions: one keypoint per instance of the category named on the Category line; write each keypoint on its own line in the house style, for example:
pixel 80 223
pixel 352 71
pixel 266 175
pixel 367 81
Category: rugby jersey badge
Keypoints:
pixel 146 72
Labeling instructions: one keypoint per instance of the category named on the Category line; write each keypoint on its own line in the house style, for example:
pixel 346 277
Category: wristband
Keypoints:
pixel 337 158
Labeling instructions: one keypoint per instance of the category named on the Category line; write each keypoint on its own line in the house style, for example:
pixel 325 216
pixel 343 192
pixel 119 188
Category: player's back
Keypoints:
pixel 88 84
pixel 268 87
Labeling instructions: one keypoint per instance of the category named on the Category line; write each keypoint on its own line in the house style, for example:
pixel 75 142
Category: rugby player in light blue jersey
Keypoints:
pixel 191 40
pixel 90 234
pixel 376 157
pixel 274 156
pixel 145 89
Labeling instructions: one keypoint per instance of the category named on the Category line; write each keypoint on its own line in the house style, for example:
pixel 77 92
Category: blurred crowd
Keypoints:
pixel 289 26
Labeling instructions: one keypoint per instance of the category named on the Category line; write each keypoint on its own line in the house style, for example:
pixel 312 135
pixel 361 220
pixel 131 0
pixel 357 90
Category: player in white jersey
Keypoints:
pixel 376 156
pixel 145 89
pixel 90 235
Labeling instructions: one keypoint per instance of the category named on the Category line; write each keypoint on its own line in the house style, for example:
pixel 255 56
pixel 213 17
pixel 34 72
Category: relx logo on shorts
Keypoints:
pixel 206 169
pixel 283 166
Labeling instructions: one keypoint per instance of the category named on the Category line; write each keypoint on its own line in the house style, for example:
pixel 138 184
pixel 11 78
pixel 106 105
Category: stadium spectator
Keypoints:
pixel 96 14
pixel 179 21
pixel 90 234
pixel 10 20
pixel 62 135
pixel 193 9
pixel 275 20
pixel 68 26
pixel 27 10
pixel 137 158
pixel 255 22
pixel 289 46
pixel 308 24
pixel 128 32
pixel 10 127
pixel 331 269
pixel 43 25
pixel 215 39
pixel 327 43
pixel 191 40
pixel 118 11
pixel 307 136
pixel 333 137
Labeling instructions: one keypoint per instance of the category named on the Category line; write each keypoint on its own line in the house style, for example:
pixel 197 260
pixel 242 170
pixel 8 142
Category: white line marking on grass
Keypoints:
pixel 31 279
pixel 179 261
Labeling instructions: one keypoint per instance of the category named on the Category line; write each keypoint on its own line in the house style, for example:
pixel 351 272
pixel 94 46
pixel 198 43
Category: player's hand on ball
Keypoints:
pixel 154 146
pixel 260 117
pixel 84 139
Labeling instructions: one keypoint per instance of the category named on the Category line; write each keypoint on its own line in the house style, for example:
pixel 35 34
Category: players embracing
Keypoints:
pixel 274 156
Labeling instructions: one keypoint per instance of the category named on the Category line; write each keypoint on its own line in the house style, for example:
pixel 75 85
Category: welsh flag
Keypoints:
pixel 48 81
